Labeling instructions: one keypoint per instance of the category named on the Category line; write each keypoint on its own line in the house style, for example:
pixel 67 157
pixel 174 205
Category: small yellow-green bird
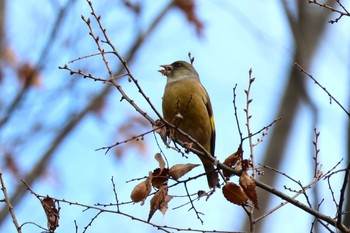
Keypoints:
pixel 185 96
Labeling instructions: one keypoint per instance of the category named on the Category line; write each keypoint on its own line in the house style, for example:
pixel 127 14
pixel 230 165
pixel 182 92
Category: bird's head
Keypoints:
pixel 179 70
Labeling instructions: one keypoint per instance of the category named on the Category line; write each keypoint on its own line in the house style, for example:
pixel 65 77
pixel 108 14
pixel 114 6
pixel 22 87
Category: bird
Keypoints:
pixel 186 105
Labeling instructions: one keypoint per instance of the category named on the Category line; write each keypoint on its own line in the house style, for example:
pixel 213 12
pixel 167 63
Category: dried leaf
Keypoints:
pixel 9 56
pixel 98 108
pixel 141 191
pixel 134 7
pixel 133 126
pixel 11 164
pixel 232 161
pixel 178 170
pixel 159 202
pixel 188 7
pixel 234 193
pixel 161 161
pixel 160 178
pixel 51 212
pixel 248 185
pixel 29 75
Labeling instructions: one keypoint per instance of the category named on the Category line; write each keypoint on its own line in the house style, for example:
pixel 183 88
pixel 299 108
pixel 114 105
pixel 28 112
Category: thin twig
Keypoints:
pixel 137 137
pixel 88 56
pixel 235 112
pixel 9 205
pixel 115 193
pixel 332 193
pixel 264 128
pixel 315 157
pixel 92 220
pixel 248 117
pixel 342 194
pixel 322 87
pixel 35 224
pixel 345 12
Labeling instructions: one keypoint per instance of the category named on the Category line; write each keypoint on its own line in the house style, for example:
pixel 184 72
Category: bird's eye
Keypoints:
pixel 177 64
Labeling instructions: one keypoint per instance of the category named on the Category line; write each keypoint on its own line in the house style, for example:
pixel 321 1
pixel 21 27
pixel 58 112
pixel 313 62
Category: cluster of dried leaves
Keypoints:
pixel 158 179
pixel 246 190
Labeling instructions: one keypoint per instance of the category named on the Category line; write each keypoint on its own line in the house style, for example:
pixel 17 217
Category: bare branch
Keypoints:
pixel 9 205
pixel 248 117
pixel 342 194
pixel 323 88
pixel 345 12
pixel 235 111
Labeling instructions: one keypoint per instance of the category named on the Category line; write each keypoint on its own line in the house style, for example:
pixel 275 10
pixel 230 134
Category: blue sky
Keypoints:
pixel 237 36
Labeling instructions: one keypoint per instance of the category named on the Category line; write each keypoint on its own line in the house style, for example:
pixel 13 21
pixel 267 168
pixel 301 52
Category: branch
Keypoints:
pixel 235 112
pixel 342 194
pixel 322 87
pixel 345 12
pixel 9 205
pixel 302 206
pixel 192 205
pixel 248 117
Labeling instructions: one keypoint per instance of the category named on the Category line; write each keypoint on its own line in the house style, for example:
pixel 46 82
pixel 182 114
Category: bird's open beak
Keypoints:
pixel 166 69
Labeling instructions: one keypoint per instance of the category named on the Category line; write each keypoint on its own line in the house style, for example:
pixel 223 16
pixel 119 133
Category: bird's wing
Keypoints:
pixel 212 124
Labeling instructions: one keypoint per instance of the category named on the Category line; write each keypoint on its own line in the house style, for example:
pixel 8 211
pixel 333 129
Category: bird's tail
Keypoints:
pixel 212 175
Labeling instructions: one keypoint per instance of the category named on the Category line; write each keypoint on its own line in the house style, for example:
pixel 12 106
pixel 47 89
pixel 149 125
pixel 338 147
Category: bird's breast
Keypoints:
pixel 184 105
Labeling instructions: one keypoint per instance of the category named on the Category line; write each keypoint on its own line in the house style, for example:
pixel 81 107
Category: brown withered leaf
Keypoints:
pixel 232 161
pixel 134 125
pixel 234 193
pixel 12 164
pixel 161 161
pixel 51 212
pixel 29 75
pixel 248 185
pixel 134 7
pixel 160 178
pixel 178 170
pixel 159 202
pixel 98 108
pixel 188 7
pixel 10 56
pixel 142 190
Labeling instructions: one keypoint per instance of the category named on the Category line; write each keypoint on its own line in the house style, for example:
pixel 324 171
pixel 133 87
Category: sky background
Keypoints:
pixel 237 36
